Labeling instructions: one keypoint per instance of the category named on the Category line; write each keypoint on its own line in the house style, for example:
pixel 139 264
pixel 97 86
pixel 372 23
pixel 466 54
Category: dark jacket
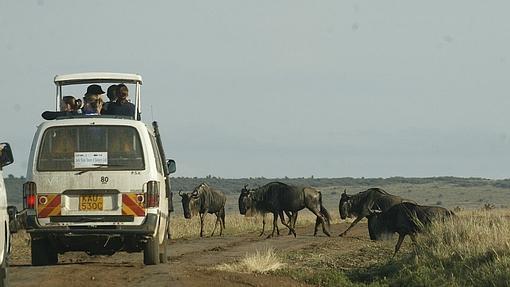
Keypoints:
pixel 121 109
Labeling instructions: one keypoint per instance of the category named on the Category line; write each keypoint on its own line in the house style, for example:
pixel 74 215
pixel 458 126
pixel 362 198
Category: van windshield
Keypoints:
pixel 88 147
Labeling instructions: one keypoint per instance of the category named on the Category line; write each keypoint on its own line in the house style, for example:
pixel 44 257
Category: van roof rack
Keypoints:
pixel 97 77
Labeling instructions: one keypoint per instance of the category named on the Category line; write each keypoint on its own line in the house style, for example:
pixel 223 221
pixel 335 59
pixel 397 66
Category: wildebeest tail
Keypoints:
pixel 324 211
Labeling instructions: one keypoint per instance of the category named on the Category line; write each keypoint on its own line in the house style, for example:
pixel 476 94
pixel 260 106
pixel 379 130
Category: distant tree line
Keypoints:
pixel 14 185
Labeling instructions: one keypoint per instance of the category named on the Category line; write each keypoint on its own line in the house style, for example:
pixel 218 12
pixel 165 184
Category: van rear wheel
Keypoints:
pixel 151 251
pixel 163 251
pixel 43 252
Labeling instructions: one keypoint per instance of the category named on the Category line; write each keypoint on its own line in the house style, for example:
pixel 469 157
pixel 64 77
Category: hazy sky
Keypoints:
pixel 281 88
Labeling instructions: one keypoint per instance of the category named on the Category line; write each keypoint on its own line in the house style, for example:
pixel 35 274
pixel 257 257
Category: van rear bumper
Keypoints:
pixel 146 228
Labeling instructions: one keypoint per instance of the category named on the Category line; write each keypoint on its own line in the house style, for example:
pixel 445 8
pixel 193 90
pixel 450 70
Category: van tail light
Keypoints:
pixel 152 198
pixel 29 191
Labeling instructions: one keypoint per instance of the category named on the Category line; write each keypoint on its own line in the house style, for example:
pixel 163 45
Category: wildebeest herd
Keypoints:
pixel 386 213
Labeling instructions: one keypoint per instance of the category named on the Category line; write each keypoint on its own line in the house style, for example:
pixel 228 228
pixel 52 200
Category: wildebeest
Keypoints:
pixel 203 200
pixel 278 197
pixel 405 218
pixel 359 205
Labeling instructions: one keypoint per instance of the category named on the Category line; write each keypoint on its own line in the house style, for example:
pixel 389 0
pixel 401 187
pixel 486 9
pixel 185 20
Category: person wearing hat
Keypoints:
pixel 92 101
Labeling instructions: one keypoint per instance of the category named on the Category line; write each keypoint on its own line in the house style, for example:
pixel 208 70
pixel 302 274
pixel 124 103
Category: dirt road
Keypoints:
pixel 190 262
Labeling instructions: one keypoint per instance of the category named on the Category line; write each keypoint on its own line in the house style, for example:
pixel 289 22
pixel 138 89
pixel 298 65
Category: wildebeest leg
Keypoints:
pixel 223 217
pixel 352 225
pixel 202 216
pixel 275 224
pixel 399 242
pixel 292 219
pixel 319 220
pixel 263 224
pixel 222 220
pixel 216 223
pixel 288 225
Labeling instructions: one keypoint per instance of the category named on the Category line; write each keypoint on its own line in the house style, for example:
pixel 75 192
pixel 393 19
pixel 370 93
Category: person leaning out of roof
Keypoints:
pixel 122 107
pixel 93 103
pixel 69 106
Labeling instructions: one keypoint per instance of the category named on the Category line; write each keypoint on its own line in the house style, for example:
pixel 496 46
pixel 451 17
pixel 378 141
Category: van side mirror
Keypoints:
pixel 6 157
pixel 170 163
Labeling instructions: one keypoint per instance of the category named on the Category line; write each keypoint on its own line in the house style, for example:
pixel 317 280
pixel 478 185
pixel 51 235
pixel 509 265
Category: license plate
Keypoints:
pixel 91 202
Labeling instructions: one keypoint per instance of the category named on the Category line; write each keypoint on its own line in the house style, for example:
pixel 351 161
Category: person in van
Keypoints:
pixel 68 106
pixel 93 103
pixel 112 94
pixel 71 105
pixel 122 107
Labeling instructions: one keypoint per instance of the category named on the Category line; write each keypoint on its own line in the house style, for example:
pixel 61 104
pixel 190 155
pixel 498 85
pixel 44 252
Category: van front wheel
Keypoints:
pixel 151 251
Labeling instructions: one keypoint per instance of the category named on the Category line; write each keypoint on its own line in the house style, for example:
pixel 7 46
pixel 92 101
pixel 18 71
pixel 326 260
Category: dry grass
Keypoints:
pixel 258 262
pixel 472 233
pixel 234 224
pixel 473 249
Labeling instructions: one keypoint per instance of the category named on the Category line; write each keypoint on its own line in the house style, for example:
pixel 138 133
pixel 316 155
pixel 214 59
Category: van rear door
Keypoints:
pixel 92 164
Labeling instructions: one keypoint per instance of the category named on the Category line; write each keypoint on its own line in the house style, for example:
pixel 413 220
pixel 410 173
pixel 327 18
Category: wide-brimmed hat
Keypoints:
pixel 94 90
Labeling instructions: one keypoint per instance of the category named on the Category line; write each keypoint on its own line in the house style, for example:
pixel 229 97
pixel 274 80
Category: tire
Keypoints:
pixel 3 274
pixel 163 251
pixel 151 251
pixel 163 248
pixel 43 253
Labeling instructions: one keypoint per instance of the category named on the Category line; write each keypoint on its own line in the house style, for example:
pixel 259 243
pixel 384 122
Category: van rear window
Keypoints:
pixel 86 147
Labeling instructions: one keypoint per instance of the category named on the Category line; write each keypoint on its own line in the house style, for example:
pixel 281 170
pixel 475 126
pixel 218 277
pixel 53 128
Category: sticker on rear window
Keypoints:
pixel 90 159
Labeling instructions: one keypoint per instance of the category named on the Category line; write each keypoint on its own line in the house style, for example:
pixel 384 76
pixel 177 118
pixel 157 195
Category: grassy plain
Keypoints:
pixel 473 250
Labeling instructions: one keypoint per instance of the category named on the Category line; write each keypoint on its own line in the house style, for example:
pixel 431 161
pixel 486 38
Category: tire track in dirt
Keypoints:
pixel 191 262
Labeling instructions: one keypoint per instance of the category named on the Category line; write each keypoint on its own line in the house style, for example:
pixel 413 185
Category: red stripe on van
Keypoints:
pixel 52 208
pixel 130 205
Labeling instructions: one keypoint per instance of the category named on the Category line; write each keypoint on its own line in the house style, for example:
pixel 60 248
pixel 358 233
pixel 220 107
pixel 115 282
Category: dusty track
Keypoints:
pixel 190 262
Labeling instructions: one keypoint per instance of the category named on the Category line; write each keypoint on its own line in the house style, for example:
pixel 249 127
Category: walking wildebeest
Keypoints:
pixel 277 198
pixel 203 200
pixel 405 218
pixel 291 215
pixel 360 204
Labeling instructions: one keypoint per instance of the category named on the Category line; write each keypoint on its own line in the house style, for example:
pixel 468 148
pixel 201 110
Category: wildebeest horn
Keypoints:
pixel 180 193
pixel 345 190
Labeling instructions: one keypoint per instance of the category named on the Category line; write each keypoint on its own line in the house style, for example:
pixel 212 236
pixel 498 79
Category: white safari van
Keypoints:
pixel 97 183
pixel 5 159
